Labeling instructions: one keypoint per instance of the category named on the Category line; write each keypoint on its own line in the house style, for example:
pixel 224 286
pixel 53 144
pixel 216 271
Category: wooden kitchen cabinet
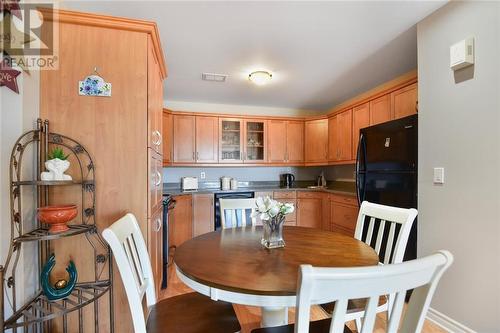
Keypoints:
pixel 277 141
pixel 155 245
pixel 155 101
pixel 360 119
pixel 316 141
pixel 203 214
pixel 180 226
pixel 310 209
pixel 285 141
pixel 184 138
pixel 380 110
pixel 255 141
pixel 207 132
pixel 295 142
pixel 343 214
pixel 405 101
pixel 168 128
pixel 118 132
pixel 288 197
pixel 340 137
pixel 230 140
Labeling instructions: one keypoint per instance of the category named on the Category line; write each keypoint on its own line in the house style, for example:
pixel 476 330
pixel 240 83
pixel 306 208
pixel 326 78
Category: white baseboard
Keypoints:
pixel 447 323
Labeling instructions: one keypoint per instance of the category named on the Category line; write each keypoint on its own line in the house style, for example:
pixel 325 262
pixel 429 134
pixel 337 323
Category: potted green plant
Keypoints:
pixel 57 163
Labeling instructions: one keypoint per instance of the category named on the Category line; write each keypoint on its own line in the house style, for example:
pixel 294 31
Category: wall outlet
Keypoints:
pixel 202 175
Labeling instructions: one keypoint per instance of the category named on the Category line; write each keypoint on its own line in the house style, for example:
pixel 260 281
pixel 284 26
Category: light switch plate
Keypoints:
pixel 202 175
pixel 438 176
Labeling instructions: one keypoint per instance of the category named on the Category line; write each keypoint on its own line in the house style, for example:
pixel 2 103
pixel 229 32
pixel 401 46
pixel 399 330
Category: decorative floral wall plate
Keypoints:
pixel 94 85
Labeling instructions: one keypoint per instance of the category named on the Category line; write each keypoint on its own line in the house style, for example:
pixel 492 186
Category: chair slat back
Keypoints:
pixel 319 285
pixel 130 252
pixel 237 212
pixel 386 229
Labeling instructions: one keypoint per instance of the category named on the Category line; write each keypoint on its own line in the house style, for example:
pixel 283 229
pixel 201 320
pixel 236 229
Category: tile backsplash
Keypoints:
pixel 174 174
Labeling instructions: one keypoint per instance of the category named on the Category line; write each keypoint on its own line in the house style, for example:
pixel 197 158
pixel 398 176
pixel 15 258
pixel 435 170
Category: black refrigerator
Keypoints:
pixel 386 168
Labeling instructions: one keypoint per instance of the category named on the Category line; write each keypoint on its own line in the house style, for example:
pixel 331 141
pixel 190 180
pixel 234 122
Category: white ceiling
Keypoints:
pixel 321 53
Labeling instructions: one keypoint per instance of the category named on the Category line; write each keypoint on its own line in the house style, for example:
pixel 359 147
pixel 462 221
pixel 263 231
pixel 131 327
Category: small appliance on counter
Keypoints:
pixel 287 180
pixel 234 184
pixel 189 183
pixel 321 182
pixel 225 183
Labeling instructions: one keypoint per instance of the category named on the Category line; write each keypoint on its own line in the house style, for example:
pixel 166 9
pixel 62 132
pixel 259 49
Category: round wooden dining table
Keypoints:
pixel 231 265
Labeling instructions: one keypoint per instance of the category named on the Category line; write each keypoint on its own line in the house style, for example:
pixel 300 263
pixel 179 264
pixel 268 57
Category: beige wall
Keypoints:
pixel 459 129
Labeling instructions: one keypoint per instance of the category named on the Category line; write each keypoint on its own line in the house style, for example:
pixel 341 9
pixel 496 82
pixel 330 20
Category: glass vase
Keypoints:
pixel 273 233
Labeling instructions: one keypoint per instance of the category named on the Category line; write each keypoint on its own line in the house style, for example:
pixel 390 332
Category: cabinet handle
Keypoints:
pixel 416 106
pixel 157 225
pixel 156 134
pixel 158 178
pixel 194 156
pixel 197 156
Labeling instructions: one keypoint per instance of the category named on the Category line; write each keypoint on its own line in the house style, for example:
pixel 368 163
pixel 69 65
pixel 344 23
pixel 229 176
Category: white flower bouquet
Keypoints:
pixel 272 213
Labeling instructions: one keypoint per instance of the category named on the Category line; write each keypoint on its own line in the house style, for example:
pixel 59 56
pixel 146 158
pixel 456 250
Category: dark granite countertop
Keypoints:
pixel 335 187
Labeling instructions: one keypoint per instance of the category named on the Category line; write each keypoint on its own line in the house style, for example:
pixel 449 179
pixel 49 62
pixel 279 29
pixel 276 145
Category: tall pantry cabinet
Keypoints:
pixel 123 133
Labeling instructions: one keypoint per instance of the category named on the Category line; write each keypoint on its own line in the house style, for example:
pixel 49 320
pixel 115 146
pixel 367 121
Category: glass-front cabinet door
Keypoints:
pixel 231 140
pixel 255 141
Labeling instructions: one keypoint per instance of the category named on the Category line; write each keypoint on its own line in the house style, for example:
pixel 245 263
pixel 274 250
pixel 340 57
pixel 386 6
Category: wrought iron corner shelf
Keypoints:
pixel 36 314
pixel 39 309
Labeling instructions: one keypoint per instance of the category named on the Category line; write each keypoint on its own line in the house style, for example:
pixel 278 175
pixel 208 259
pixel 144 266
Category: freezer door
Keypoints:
pixel 390 146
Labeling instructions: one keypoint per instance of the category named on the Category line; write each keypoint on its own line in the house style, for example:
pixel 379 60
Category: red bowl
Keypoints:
pixel 57 216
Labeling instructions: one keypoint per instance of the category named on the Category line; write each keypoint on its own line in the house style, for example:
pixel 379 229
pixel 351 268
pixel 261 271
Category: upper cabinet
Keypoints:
pixel 184 139
pixel 207 130
pixel 316 141
pixel 155 101
pixel 255 143
pixel 380 110
pixel 405 101
pixel 230 140
pixel 294 142
pixel 277 141
pixel 340 137
pixel 168 128
pixel 285 141
pixel 195 139
pixel 360 119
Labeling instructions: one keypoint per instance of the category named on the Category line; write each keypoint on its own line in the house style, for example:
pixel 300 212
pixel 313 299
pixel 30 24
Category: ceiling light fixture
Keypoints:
pixel 260 77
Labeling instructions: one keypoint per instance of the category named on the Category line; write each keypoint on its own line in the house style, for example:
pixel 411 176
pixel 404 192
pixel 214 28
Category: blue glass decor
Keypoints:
pixel 62 288
pixel 94 85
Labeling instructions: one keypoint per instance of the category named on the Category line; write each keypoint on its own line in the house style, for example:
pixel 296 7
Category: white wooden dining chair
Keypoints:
pixel 237 212
pixel 190 312
pixel 318 285
pixel 386 229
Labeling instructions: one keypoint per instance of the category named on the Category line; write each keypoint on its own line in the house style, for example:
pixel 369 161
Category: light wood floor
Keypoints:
pixel 249 316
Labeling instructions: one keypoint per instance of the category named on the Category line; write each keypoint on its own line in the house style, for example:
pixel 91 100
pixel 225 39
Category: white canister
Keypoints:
pixel 234 184
pixel 225 183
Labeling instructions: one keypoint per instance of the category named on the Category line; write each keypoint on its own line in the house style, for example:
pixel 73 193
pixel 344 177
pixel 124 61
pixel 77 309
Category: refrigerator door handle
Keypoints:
pixel 361 145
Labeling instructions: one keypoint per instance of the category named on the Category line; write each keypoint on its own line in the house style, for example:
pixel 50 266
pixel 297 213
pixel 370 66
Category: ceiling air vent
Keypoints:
pixel 214 77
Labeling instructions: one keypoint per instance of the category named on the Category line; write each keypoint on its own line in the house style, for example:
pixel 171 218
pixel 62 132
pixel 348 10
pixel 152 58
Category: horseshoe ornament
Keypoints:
pixel 50 291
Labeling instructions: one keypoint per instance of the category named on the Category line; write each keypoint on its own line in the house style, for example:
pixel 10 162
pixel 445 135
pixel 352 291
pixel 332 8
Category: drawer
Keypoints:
pixel 285 195
pixel 309 195
pixel 343 216
pixel 344 199
pixel 263 194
